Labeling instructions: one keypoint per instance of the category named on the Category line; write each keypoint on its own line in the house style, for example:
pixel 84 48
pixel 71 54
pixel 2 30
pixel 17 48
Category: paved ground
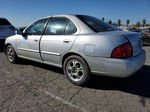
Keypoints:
pixel 34 87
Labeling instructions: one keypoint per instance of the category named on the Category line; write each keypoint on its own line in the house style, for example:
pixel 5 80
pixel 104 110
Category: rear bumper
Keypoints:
pixel 117 67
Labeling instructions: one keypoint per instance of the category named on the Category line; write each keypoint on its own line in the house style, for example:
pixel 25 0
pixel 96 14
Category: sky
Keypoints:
pixel 23 12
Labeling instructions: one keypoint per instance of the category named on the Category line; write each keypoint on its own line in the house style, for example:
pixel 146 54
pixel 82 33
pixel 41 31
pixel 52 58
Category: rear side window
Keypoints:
pixel 4 22
pixel 56 26
pixel 60 26
pixel 70 28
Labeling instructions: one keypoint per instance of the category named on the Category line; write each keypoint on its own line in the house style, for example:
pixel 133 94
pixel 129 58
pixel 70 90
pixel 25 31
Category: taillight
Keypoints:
pixel 122 51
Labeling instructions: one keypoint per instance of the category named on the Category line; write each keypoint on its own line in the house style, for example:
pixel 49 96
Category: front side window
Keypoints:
pixel 37 28
pixel 96 24
pixel 57 26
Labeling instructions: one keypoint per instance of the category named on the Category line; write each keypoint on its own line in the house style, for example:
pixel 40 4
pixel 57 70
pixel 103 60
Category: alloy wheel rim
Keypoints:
pixel 10 54
pixel 74 70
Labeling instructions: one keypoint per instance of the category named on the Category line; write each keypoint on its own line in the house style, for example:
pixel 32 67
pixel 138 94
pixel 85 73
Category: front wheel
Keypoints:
pixel 76 70
pixel 11 54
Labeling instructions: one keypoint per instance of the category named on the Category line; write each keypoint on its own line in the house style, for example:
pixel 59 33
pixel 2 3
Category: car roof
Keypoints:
pixel 61 15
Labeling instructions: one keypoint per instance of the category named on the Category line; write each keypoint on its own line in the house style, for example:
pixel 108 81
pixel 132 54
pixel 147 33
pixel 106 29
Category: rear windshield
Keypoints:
pixel 4 22
pixel 96 24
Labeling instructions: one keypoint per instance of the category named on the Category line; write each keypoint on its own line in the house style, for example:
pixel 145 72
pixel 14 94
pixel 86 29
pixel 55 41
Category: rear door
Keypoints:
pixel 58 38
pixel 28 45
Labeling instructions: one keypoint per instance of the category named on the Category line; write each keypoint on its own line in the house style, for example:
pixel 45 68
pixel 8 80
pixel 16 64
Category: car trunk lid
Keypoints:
pixel 133 37
pixel 136 41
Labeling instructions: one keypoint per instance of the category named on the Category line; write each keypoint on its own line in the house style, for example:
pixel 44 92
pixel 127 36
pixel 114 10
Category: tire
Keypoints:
pixel 11 54
pixel 76 70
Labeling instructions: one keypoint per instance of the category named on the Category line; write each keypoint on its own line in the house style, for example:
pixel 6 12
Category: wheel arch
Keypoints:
pixel 5 46
pixel 12 46
pixel 73 53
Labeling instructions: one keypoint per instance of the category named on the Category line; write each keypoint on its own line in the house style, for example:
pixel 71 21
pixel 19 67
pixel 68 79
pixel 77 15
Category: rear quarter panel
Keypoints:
pixel 97 45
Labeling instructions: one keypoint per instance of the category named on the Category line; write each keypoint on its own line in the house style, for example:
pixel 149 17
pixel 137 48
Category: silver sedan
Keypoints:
pixel 82 45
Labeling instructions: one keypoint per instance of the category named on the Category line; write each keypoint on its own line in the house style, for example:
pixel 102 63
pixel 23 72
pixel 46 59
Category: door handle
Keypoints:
pixel 36 40
pixel 66 41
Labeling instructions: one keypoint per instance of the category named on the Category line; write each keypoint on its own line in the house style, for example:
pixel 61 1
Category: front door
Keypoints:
pixel 28 44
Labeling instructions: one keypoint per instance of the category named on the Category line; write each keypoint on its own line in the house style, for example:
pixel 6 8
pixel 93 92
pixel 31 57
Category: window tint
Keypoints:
pixel 57 26
pixel 96 24
pixel 37 28
pixel 70 28
pixel 4 22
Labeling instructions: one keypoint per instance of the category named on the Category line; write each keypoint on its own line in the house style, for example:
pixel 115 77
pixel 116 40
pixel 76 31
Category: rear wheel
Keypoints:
pixel 11 54
pixel 76 70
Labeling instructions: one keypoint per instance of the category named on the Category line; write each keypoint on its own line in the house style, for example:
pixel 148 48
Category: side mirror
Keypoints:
pixel 19 32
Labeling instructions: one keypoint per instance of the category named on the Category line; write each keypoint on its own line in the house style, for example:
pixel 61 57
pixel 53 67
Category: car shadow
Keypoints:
pixel 138 84
pixel 1 49
pixel 146 44
pixel 40 65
